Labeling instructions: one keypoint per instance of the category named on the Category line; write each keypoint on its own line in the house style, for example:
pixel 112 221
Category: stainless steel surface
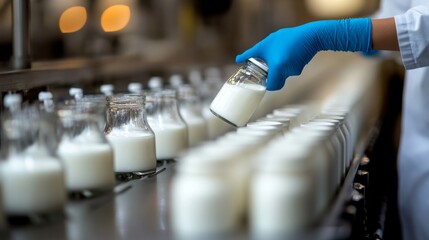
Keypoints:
pixel 21 34
pixel 140 209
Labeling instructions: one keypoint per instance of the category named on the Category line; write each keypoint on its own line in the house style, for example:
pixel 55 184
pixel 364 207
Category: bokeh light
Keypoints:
pixel 115 18
pixel 73 19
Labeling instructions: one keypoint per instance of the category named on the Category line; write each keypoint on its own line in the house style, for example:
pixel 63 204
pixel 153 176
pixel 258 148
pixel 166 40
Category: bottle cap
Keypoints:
pixel 176 80
pixel 45 96
pixel 12 100
pixel 135 87
pixel 155 82
pixel 76 92
pixel 260 63
pixel 107 89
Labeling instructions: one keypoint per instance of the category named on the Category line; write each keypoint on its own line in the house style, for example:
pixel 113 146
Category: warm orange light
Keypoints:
pixel 115 18
pixel 72 19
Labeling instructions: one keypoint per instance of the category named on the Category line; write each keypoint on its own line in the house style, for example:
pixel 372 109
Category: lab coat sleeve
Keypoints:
pixel 413 36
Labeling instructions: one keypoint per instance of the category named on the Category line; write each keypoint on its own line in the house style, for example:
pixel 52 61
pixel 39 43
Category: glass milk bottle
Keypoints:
pixel 215 126
pixel 171 132
pixel 99 102
pixel 202 197
pixel 190 110
pixel 33 181
pixel 239 97
pixel 282 191
pixel 86 154
pixel 129 133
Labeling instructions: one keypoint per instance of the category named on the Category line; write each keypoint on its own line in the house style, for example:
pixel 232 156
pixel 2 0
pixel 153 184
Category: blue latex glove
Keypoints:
pixel 288 50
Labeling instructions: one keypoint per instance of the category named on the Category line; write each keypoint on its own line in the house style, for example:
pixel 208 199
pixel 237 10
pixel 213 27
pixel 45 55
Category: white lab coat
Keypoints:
pixel 412 24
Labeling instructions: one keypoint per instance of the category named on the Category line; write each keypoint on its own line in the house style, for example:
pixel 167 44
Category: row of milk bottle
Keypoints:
pixel 279 174
pixel 42 163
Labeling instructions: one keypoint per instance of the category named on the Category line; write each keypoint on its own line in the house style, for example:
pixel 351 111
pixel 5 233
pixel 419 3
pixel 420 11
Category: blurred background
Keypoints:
pixel 187 31
pixel 88 43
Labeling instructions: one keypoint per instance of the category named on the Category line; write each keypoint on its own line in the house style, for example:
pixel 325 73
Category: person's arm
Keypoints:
pixel 288 50
pixel 384 36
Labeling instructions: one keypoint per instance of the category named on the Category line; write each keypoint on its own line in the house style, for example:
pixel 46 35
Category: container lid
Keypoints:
pixel 176 80
pixel 260 63
pixel 76 92
pixel 135 87
pixel 45 96
pixel 107 89
pixel 155 82
pixel 11 100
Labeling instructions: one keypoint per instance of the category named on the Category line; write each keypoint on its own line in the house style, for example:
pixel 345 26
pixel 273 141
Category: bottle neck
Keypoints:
pixel 257 71
pixel 126 117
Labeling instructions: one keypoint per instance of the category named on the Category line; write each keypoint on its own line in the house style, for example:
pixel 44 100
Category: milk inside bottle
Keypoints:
pixel 86 154
pixel 130 135
pixel 171 131
pixel 239 97
pixel 33 184
pixel 191 111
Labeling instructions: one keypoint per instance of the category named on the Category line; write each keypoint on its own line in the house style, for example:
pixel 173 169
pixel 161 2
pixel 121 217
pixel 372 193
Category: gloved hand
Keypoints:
pixel 288 50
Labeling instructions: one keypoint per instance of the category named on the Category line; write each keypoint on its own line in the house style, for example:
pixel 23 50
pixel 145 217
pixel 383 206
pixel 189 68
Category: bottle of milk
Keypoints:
pixel 239 97
pixel 86 154
pixel 190 110
pixel 33 181
pixel 130 135
pixel 171 132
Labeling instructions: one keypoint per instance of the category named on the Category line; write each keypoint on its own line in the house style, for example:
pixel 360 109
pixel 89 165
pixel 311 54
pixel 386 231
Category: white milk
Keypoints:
pixel 197 130
pixel 236 104
pixel 170 140
pixel 33 186
pixel 197 126
pixel 133 151
pixel 202 198
pixel 87 166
